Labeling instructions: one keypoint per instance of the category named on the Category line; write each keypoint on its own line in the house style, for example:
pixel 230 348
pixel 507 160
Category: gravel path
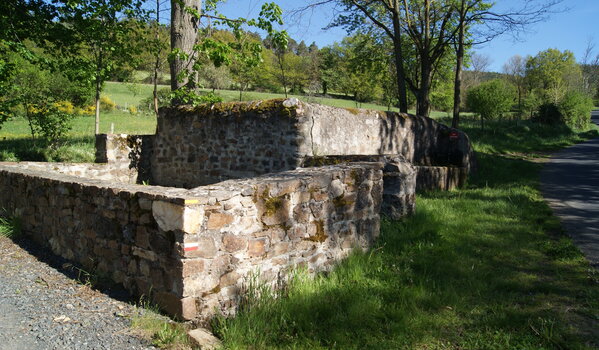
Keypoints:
pixel 43 307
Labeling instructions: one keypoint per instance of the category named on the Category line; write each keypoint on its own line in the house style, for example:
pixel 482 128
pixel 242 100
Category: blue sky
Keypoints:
pixel 569 30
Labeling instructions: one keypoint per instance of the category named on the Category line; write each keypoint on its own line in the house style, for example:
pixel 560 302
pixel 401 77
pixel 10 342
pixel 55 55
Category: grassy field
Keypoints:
pixel 485 267
pixel 16 143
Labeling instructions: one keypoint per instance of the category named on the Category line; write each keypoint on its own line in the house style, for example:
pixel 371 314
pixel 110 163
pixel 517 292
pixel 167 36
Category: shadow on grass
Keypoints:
pixel 473 269
pixel 73 149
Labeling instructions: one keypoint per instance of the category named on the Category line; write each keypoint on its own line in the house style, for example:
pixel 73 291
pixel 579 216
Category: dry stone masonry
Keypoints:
pixel 236 190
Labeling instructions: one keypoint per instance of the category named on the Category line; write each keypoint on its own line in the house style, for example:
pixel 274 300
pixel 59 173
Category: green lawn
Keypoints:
pixel 132 94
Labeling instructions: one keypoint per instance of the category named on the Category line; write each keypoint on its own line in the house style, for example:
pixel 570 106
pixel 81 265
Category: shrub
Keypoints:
pixel 491 99
pixel 65 106
pixel 190 97
pixel 132 110
pixel 574 111
pixel 106 104
pixel 48 121
pixel 87 110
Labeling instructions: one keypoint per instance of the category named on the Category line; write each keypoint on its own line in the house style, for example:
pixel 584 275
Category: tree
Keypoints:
pixel 186 16
pixel 96 36
pixel 478 23
pixel 515 69
pixel 330 59
pixel 555 72
pixel 157 47
pixel 590 70
pixel 20 20
pixel 490 99
pixel 385 15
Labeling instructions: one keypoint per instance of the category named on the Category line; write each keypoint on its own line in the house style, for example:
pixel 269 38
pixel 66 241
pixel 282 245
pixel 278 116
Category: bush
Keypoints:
pixel 65 106
pixel 192 98
pixel 574 111
pixel 106 104
pixel 49 121
pixel 491 99
pixel 132 110
pixel 87 110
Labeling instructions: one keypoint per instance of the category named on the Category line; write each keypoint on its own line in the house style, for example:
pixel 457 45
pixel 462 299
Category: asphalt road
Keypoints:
pixel 570 184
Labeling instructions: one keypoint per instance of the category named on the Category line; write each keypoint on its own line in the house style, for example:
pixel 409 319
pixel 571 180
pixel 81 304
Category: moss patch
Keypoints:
pixel 354 111
pixel 241 108
pixel 341 201
pixel 320 235
pixel 271 204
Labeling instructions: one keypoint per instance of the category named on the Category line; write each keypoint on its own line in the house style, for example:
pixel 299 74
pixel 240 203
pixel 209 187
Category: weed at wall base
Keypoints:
pixel 10 227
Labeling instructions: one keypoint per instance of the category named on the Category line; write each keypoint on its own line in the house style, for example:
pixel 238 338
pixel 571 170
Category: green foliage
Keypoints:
pixel 164 99
pixel 532 102
pixel 491 99
pixel 576 109
pixel 26 78
pixel 573 110
pixel 10 227
pixel 189 97
pixel 161 331
pixel 554 72
pixel 236 48
pixel 106 104
pixel 442 96
pixel 49 121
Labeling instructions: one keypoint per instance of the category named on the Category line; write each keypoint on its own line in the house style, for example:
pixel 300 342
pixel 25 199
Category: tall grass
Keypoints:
pixel 10 227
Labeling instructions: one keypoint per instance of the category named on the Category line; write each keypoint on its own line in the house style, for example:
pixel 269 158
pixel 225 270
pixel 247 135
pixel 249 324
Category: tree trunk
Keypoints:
pixel 184 31
pixel 157 61
pixel 281 66
pixel 324 88
pixel 401 82
pixel 98 89
pixel 423 103
pixel 457 89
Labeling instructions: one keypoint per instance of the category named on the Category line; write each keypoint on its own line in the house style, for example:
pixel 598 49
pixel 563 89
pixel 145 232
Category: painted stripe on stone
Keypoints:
pixel 190 246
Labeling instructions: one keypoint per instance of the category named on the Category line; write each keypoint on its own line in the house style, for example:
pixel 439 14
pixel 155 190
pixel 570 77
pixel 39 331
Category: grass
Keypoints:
pixel 10 227
pixel 16 143
pixel 159 329
pixel 486 267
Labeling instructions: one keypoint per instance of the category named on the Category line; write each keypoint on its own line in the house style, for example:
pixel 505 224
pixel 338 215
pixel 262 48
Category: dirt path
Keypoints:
pixel 570 184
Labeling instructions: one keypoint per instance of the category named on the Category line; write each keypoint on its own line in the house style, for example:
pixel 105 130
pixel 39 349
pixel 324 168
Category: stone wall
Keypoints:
pixel 123 151
pixel 193 249
pixel 444 178
pixel 208 144
pixel 115 172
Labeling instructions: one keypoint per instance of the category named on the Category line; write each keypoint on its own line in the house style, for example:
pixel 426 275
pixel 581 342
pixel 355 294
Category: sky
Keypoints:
pixel 568 30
